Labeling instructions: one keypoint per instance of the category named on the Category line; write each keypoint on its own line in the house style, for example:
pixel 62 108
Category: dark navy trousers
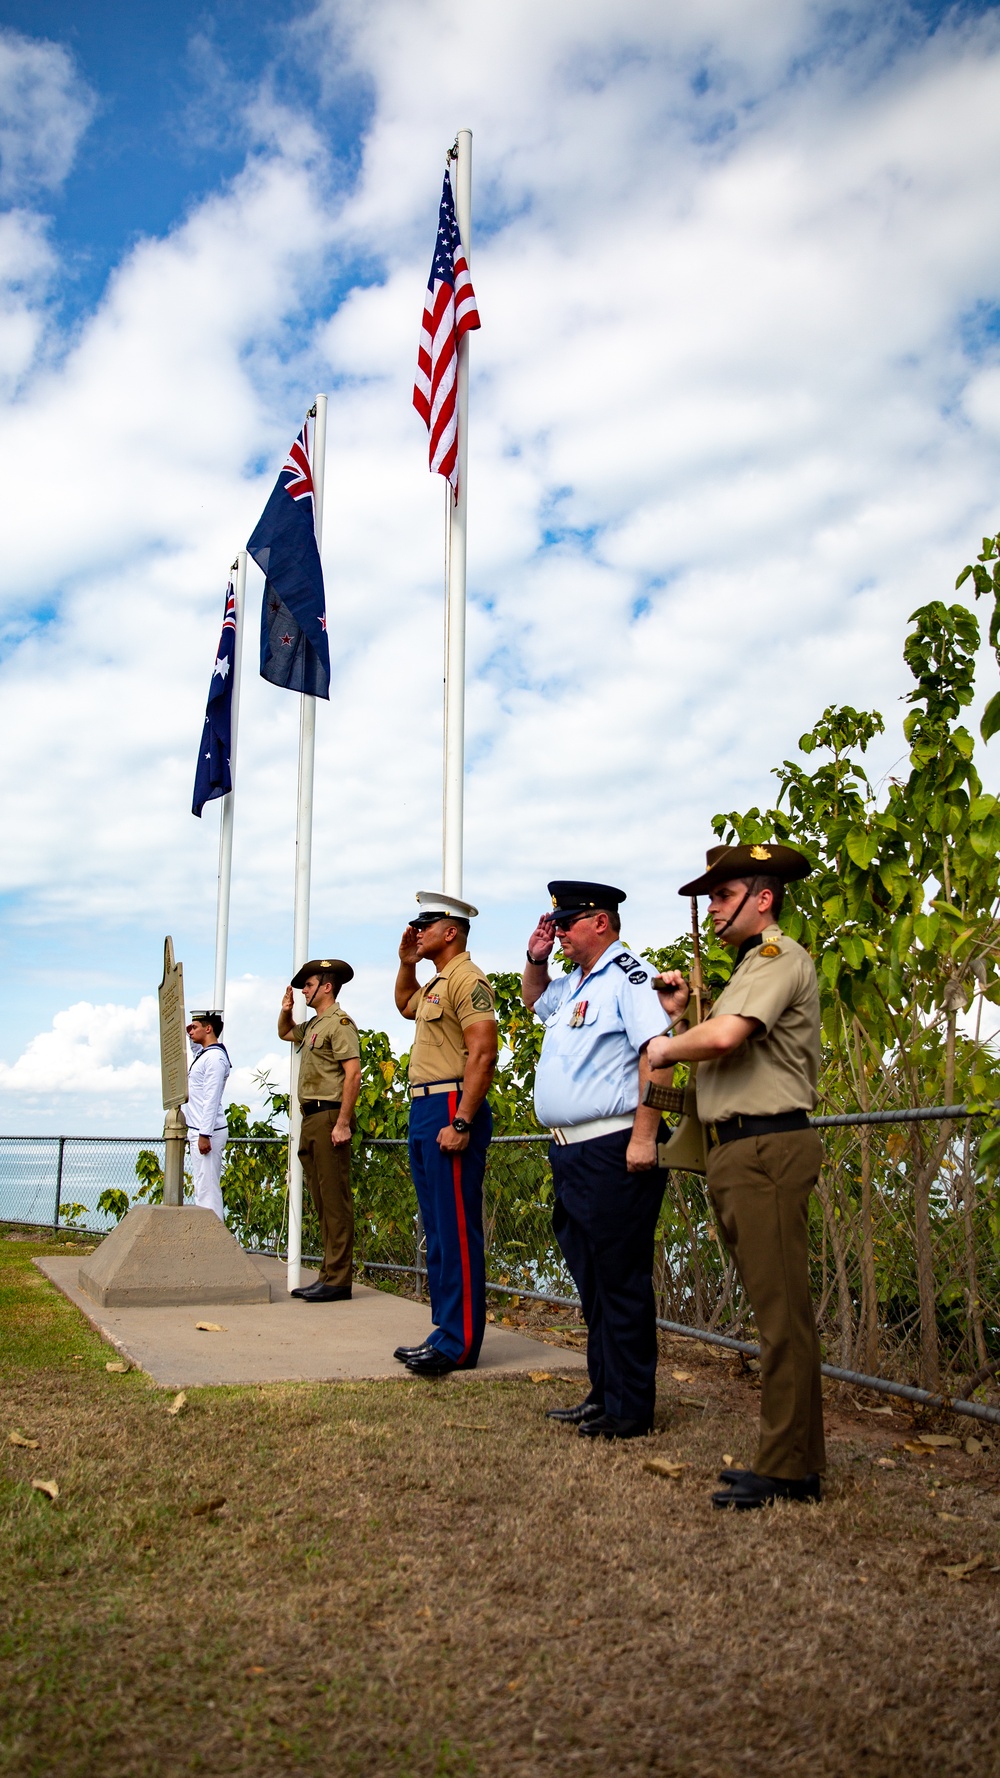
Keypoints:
pixel 450 1195
pixel 605 1221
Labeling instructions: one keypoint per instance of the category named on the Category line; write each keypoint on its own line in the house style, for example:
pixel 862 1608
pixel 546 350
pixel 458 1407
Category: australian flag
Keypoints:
pixel 294 651
pixel 214 776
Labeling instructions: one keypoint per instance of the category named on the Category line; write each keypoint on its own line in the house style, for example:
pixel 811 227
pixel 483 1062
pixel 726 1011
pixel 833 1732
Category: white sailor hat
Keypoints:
pixel 435 905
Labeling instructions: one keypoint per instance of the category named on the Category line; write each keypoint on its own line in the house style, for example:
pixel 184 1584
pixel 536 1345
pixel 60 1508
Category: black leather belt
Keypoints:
pixel 736 1127
pixel 309 1107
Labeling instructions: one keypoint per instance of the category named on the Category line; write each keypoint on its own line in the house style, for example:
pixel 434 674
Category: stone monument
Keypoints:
pixel 171 1253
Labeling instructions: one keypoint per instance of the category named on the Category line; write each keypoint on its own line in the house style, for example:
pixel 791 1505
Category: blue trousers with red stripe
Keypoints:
pixel 450 1195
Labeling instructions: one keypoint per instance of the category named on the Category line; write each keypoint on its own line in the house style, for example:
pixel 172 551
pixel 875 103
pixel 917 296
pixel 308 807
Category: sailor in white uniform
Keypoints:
pixel 206 1120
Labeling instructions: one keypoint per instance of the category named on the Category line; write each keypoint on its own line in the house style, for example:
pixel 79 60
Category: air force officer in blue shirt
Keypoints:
pixel 608 1187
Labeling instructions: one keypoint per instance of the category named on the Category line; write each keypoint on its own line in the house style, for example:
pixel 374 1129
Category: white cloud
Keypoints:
pixel 27 267
pixel 89 1049
pixel 728 430
pixel 44 109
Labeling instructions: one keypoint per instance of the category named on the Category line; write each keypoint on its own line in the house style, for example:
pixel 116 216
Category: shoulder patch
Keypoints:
pixel 481 998
pixel 345 1020
pixel 770 950
pixel 637 976
pixel 625 962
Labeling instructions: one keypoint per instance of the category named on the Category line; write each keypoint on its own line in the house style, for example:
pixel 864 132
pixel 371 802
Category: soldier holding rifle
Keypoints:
pixel 758 1062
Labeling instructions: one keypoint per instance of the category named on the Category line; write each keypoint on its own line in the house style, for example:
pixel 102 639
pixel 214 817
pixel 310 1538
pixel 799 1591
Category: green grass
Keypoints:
pixel 429 1581
pixel 42 1331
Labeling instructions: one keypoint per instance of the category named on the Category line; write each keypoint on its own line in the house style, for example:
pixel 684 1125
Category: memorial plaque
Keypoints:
pixel 173 1037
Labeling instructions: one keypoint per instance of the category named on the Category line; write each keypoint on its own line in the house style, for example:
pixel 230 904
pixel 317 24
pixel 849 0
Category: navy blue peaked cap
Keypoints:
pixel 582 898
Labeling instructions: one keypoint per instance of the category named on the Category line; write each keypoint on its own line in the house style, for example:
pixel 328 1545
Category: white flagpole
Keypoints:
pixel 453 826
pixel 303 874
pixel 228 802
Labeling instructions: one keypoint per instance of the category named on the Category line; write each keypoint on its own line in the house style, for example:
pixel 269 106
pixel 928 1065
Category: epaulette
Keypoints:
pixel 631 967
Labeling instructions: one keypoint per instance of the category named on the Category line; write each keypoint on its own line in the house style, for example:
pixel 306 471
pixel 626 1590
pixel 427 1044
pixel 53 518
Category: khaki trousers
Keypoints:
pixel 328 1175
pixel 760 1188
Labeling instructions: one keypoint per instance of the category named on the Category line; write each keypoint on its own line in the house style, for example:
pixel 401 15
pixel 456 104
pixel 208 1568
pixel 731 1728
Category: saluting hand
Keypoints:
pixel 287 1001
pixel 672 992
pixel 543 938
pixel 408 952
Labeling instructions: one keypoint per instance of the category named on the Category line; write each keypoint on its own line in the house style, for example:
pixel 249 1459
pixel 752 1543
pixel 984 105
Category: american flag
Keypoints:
pixel 449 311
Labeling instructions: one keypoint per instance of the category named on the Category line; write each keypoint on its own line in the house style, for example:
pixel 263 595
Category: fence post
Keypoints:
pixel 59 1180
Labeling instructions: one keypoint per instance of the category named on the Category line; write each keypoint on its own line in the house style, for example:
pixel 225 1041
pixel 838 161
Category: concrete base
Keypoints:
pixel 162 1255
pixel 297 1341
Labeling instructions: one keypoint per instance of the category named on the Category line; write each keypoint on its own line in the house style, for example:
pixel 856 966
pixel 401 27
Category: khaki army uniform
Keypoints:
pixel 760 1185
pixel 325 1044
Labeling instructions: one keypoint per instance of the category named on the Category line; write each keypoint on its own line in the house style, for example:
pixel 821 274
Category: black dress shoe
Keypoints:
pixel 306 1289
pixel 584 1410
pixel 327 1293
pixel 431 1362
pixel 752 1490
pixel 405 1353
pixel 610 1426
pixel 733 1475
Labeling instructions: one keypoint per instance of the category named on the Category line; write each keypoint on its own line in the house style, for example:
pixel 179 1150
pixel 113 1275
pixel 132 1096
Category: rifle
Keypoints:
pixel 685 1147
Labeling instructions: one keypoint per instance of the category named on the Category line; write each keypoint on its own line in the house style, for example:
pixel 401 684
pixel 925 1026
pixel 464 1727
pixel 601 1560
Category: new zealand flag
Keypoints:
pixel 213 776
pixel 294 651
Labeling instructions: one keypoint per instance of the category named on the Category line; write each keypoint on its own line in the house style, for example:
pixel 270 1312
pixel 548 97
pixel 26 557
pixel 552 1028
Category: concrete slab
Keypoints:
pixel 287 1340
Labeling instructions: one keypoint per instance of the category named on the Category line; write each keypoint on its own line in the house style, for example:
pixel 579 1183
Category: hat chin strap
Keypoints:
pixel 734 915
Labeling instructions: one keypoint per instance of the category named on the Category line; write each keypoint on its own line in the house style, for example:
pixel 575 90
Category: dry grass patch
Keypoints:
pixel 411 1578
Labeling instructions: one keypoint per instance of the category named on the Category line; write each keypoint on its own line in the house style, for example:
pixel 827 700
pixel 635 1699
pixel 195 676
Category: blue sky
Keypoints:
pixel 167 83
pixel 736 411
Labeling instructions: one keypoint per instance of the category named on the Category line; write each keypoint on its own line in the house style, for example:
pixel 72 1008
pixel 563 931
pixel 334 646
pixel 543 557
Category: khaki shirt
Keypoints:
pixel 325 1044
pixel 777 1070
pixel 457 998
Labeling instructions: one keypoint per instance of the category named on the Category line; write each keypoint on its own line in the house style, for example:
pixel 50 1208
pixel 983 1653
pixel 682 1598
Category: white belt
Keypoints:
pixel 596 1126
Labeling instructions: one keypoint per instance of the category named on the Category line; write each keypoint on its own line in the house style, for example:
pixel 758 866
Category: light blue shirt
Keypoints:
pixel 595 1027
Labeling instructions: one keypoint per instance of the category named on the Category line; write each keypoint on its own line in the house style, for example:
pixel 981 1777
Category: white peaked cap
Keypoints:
pixel 434 901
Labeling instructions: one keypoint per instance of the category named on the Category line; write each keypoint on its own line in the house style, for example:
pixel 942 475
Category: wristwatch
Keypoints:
pixel 462 1125
pixel 536 962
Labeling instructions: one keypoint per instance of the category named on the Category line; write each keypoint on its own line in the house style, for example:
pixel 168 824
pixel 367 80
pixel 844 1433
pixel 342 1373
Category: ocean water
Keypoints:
pixel 29 1168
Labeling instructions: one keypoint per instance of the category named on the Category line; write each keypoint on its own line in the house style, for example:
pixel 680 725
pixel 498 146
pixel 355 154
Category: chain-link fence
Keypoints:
pixel 905 1233
pixel 905 1230
pixel 55 1181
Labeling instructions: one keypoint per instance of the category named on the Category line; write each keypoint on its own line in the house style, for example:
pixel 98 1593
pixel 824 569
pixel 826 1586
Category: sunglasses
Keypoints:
pixel 574 920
